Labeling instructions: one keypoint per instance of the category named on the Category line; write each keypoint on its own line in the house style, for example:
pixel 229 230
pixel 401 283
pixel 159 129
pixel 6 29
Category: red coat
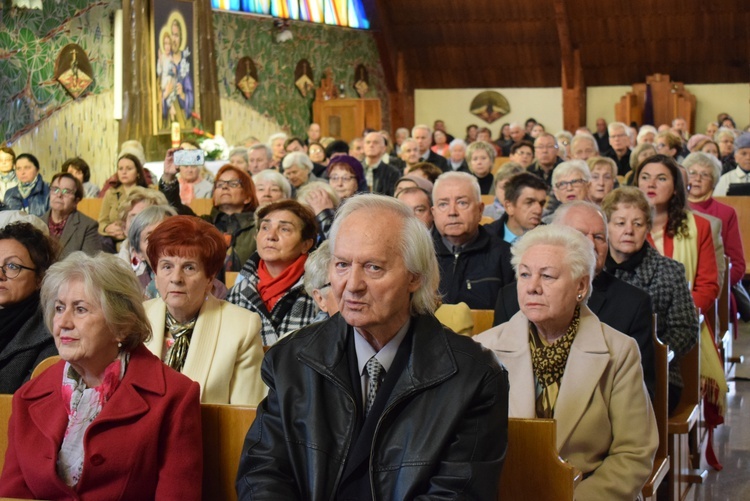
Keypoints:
pixel 145 444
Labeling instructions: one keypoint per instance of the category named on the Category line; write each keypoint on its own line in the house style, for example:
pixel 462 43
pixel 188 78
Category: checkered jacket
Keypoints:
pixel 293 311
pixel 677 320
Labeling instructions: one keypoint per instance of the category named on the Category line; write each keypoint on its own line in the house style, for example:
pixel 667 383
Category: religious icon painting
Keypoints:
pixel 361 80
pixel 73 70
pixel 303 77
pixel 489 106
pixel 246 77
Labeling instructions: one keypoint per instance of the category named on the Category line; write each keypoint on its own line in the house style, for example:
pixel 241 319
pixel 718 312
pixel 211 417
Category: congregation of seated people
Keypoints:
pixel 573 240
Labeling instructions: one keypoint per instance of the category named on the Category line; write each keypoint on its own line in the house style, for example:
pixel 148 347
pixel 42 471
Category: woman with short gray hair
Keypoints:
pixel 563 363
pixel 270 186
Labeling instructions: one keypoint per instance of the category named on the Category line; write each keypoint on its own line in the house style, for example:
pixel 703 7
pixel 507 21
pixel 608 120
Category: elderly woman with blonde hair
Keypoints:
pixel 603 178
pixel 109 420
pixel 480 155
pixel 564 363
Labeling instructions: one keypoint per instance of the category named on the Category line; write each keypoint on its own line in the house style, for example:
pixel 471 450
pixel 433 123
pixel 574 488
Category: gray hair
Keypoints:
pixel 421 126
pixel 705 160
pixel 261 146
pixel 637 153
pixel 150 215
pixel 136 195
pixel 613 126
pixel 564 134
pixel 304 192
pixel 562 212
pixel 584 137
pixel 481 145
pixel 724 132
pixel 578 251
pixel 275 177
pixel 299 159
pixel 278 135
pixel 456 142
pixel 403 130
pixel 409 140
pixel 456 176
pixel 570 167
pixel 646 129
pixel 240 151
pixel 108 282
pixel 415 247
pixel 316 269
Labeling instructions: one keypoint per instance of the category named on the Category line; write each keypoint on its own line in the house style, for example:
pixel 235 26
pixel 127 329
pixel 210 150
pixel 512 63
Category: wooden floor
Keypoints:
pixel 732 439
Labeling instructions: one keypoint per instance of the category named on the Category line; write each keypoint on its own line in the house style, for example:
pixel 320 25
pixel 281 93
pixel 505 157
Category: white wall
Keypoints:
pixel 545 105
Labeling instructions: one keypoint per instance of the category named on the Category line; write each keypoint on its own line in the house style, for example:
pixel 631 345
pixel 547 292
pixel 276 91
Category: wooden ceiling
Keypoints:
pixel 524 43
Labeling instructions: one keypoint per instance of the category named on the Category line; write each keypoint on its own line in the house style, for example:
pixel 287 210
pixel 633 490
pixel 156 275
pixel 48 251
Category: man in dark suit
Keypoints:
pixel 601 135
pixel 366 382
pixel 617 303
pixel 381 177
pixel 620 147
pixel 423 135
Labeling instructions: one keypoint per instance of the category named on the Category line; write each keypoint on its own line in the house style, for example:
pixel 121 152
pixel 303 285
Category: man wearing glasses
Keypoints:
pixel 545 151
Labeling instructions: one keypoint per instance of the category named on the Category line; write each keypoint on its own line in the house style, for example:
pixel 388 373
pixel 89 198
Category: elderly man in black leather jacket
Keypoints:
pixel 429 419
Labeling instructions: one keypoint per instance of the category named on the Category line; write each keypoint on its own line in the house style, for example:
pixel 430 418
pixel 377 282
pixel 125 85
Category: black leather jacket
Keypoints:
pixel 443 431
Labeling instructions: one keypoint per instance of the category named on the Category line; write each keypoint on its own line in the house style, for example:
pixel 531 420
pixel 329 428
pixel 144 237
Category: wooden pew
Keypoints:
pixel 660 404
pixel 533 469
pixel 488 199
pixel 742 206
pixel 224 430
pixel 44 365
pixel 90 207
pixel 5 408
pixel 482 320
pixel 202 206
pixel 724 327
pixel 683 429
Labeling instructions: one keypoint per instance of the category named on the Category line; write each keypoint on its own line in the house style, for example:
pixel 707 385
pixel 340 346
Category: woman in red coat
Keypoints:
pixel 109 421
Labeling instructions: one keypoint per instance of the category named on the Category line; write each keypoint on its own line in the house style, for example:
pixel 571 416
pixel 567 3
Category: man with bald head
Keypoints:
pixel 380 176
pixel 423 135
pixel 618 304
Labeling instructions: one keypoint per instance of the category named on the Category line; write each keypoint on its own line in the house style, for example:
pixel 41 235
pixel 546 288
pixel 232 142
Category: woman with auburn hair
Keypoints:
pixel 211 341
pixel 271 282
pixel 233 214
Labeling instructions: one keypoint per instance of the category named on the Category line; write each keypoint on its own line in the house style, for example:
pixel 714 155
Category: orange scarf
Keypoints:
pixel 272 289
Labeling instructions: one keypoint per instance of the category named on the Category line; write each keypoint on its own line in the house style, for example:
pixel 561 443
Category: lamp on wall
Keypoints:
pixel 27 4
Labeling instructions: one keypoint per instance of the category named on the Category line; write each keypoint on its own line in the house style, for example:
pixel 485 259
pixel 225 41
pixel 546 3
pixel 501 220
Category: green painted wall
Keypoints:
pixel 276 96
pixel 29 43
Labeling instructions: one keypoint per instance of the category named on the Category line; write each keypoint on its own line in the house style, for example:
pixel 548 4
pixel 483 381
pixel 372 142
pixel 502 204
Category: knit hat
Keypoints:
pixel 694 140
pixel 356 168
pixel 743 141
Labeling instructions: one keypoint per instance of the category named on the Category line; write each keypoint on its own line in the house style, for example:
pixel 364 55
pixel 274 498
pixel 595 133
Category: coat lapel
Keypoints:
pixel 203 343
pixel 588 359
pixel 70 228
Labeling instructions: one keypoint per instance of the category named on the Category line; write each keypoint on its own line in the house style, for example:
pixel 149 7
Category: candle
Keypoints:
pixel 219 129
pixel 175 134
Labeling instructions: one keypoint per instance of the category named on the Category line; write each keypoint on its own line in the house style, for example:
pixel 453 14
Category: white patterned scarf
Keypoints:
pixel 83 405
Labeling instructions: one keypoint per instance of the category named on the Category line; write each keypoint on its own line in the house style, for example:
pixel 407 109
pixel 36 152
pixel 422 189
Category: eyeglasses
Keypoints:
pixel 345 179
pixel 63 191
pixel 565 184
pixel 618 136
pixel 702 175
pixel 234 183
pixel 12 270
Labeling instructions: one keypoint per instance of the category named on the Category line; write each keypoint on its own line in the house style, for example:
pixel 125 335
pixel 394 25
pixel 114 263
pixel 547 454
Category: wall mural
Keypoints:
pixel 30 41
pixel 276 95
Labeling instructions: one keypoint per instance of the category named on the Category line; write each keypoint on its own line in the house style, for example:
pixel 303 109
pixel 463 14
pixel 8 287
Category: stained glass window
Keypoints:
pixel 349 13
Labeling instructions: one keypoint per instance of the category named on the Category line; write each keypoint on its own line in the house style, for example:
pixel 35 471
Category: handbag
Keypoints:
pixel 743 300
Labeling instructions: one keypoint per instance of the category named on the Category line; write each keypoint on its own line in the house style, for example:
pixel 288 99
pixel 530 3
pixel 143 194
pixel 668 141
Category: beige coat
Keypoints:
pixel 605 424
pixel 225 351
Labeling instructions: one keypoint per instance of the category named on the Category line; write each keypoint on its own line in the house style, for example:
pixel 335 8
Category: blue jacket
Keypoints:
pixel 37 203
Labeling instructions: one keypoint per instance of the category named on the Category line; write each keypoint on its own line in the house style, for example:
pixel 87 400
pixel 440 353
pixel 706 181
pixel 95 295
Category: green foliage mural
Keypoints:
pixel 29 43
pixel 276 96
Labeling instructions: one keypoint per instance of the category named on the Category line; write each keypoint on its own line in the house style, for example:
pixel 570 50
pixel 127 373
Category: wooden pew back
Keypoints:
pixel 742 206
pixel 533 469
pixel 224 430
pixel 482 320
pixel 5 408
pixel 90 207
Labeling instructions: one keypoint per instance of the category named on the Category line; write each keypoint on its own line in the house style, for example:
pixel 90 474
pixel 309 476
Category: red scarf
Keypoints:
pixel 272 289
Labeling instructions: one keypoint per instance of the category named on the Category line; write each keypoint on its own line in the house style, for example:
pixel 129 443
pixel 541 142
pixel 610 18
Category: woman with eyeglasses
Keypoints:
pixel 73 230
pixel 233 214
pixel 570 181
pixel 346 176
pixel 25 255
